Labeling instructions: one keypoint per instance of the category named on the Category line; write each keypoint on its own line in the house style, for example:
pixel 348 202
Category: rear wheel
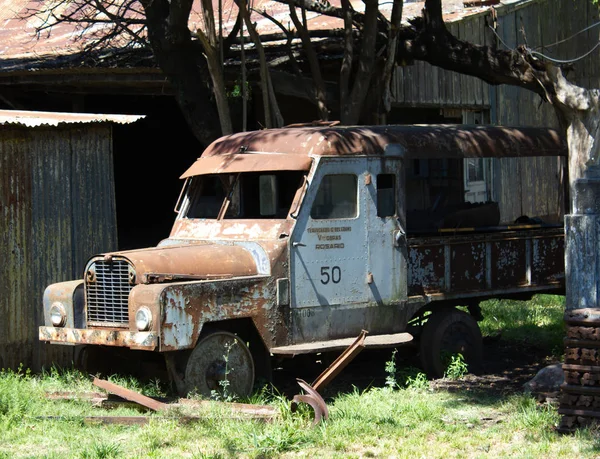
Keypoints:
pixel 222 363
pixel 449 332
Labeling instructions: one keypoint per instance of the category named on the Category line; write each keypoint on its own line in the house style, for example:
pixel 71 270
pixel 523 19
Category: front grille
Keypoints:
pixel 107 287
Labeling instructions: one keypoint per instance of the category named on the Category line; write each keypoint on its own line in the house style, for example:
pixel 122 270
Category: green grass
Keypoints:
pixel 538 321
pixel 404 419
pixel 377 422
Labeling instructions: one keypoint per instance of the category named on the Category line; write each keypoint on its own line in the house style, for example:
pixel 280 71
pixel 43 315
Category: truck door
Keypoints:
pixel 386 231
pixel 329 253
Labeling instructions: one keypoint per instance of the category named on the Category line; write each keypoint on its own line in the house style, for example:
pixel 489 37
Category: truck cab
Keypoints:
pixel 292 241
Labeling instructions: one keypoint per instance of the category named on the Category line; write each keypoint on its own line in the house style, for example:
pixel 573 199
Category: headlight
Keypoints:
pixel 143 319
pixel 58 314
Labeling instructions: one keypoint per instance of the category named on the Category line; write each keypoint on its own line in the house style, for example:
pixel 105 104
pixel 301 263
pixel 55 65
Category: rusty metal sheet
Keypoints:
pixel 35 119
pixel 423 142
pixel 425 269
pixel 341 362
pixel 509 263
pixel 187 306
pixel 468 266
pixel 42 242
pixel 106 337
pixel 18 38
pixel 130 395
pixel 202 260
pixel 232 163
pixel 243 230
pixel 548 259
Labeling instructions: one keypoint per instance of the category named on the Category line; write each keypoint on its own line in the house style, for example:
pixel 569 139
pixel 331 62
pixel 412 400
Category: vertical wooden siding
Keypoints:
pixel 57 198
pixel 422 84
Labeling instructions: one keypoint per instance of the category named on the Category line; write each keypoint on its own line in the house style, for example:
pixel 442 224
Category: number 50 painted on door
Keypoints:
pixel 330 274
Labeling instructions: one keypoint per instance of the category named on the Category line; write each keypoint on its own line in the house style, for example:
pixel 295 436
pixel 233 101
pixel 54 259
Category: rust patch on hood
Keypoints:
pixel 205 261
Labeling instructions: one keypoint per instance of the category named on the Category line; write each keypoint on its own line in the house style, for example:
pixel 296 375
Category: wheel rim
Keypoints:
pixel 448 333
pixel 457 339
pixel 220 362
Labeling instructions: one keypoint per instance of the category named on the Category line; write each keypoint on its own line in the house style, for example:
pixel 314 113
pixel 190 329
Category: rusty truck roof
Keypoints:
pixel 416 141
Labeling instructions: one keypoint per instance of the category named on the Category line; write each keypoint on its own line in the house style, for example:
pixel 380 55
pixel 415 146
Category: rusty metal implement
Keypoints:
pixel 312 396
pixel 130 395
pixel 341 362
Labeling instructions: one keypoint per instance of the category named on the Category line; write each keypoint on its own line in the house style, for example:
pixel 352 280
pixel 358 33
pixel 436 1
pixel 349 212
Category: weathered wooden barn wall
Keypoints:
pixel 545 23
pixel 57 208
pixel 540 24
pixel 423 85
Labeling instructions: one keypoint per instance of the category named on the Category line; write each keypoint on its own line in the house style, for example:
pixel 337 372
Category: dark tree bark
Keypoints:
pixel 313 61
pixel 182 61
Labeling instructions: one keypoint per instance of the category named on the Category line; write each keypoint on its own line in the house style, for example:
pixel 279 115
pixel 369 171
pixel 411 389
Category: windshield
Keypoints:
pixel 250 195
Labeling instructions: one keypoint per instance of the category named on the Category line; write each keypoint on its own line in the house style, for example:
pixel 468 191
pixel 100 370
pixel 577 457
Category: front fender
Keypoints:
pixel 186 307
pixel 70 295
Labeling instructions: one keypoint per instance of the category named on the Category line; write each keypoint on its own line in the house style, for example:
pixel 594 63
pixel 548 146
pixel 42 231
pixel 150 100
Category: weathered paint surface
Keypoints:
pixel 133 340
pixel 230 229
pixel 495 261
pixel 70 295
pixel 188 306
pixel 209 260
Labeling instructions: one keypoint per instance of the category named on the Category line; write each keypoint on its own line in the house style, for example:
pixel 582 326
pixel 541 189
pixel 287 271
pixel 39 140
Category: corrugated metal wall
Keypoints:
pixel 58 208
pixel 539 23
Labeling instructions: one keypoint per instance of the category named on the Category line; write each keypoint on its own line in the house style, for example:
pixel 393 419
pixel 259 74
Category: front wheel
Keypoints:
pixel 449 332
pixel 220 363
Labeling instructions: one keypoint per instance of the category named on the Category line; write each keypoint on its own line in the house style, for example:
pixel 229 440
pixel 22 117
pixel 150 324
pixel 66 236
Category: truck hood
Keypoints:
pixel 202 261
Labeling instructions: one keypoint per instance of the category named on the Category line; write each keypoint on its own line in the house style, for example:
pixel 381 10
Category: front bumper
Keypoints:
pixel 123 338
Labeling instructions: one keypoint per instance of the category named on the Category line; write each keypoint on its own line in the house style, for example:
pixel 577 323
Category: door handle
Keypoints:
pixel 298 244
pixel 399 238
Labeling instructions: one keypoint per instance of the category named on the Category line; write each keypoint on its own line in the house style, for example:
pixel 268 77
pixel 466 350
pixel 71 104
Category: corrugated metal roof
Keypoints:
pixel 34 119
pixel 18 37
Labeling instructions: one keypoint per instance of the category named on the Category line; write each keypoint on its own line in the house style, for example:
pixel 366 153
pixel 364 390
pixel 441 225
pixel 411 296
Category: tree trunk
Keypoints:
pixel 183 63
pixel 313 61
pixel 351 107
pixel 216 73
pixel 577 109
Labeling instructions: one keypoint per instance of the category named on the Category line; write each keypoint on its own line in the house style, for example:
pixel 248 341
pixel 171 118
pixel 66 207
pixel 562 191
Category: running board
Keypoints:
pixel 371 342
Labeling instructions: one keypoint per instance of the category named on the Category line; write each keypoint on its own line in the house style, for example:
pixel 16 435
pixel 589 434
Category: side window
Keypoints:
pixel 386 195
pixel 337 197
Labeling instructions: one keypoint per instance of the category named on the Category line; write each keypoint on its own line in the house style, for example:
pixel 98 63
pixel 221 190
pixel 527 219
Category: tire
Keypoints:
pixel 206 368
pixel 449 332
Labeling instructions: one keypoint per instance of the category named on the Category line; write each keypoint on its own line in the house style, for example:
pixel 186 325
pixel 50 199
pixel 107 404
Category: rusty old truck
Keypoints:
pixel 291 241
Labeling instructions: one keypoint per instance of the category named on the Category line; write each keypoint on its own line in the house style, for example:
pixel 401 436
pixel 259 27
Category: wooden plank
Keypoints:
pixel 593 35
pixel 409 76
pixel 478 26
pixel 455 79
pixel 436 84
pixel 465 87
